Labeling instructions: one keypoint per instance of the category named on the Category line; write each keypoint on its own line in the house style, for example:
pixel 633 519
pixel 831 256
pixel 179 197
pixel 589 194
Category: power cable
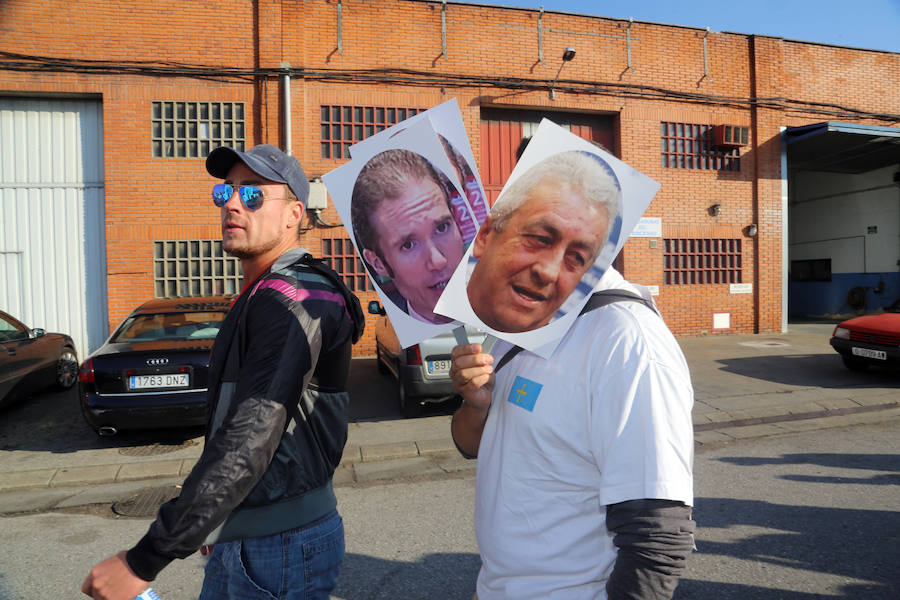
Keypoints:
pixel 30 63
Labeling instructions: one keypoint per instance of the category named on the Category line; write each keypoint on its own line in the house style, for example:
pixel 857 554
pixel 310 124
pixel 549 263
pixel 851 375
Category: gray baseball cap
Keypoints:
pixel 266 161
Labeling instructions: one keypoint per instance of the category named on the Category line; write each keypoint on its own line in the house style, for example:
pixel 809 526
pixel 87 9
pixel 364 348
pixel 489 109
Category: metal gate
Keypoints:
pixel 52 250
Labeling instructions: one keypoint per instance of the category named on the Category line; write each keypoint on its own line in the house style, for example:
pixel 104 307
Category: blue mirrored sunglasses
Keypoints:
pixel 251 196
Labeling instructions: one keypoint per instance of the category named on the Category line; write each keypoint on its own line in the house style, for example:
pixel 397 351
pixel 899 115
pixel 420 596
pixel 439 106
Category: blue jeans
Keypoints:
pixel 297 564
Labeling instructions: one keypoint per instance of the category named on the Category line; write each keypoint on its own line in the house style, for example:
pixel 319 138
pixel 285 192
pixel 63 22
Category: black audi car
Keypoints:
pixel 153 370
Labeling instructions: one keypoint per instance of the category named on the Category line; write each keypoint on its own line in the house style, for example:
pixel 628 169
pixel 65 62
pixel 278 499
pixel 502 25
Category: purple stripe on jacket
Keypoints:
pixel 300 294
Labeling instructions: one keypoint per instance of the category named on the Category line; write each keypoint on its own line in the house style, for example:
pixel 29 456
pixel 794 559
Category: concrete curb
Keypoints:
pixel 731 433
pixel 385 461
pixel 96 474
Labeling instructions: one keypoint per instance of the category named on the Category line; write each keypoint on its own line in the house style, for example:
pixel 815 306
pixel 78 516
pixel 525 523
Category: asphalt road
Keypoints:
pixel 795 517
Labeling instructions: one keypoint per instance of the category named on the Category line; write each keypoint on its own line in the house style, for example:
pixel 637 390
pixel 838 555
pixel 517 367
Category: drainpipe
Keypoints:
pixel 286 103
pixel 785 232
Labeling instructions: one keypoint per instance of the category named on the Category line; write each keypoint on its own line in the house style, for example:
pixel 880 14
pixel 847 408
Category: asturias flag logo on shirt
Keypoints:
pixel 524 393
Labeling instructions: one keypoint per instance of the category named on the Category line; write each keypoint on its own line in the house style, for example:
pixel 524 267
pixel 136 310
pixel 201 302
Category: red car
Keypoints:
pixel 869 340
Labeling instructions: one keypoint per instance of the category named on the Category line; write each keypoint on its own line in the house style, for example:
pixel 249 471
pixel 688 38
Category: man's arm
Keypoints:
pixel 472 374
pixel 276 361
pixel 282 348
pixel 654 539
pixel 643 443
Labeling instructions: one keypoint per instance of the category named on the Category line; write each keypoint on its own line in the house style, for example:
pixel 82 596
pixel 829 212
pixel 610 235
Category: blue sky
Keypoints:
pixel 873 24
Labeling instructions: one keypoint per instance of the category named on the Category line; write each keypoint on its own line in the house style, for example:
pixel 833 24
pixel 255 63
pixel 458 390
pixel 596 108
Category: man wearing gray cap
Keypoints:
pixel 260 499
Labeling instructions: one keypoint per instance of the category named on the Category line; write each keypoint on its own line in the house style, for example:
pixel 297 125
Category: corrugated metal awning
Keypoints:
pixel 842 147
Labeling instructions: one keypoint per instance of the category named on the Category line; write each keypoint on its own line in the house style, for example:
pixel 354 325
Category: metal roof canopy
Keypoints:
pixel 842 147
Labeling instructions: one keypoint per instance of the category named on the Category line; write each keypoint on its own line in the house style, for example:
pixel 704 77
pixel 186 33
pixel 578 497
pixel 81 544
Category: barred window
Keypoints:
pixel 689 146
pixel 339 254
pixel 343 126
pixel 187 268
pixel 692 261
pixel 192 129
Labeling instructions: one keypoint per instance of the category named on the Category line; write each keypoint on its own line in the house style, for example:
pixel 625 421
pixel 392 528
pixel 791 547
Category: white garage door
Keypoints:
pixel 52 255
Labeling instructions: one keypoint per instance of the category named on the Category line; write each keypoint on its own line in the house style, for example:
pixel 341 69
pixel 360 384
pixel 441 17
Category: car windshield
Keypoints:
pixel 170 326
pixel 10 331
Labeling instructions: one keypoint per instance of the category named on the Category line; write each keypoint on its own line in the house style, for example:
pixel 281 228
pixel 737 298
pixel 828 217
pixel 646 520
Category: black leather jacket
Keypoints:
pixel 278 415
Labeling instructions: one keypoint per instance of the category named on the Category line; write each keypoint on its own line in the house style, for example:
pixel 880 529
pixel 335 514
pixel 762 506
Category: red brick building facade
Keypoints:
pixel 414 54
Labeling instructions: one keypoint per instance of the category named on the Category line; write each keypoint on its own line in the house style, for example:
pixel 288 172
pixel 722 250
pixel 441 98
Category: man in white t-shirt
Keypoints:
pixel 584 484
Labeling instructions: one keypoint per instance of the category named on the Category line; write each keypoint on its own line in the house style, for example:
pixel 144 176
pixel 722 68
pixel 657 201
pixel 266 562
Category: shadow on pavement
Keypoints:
pixel 852 544
pixel 52 422
pixel 375 396
pixel 447 576
pixel 867 462
pixel 809 370
pixel 690 589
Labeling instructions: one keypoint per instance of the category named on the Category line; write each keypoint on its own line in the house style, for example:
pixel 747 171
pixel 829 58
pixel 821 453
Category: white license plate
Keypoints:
pixel 149 382
pixel 438 367
pixel 879 354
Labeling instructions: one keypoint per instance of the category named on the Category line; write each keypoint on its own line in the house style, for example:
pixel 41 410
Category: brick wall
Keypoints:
pixel 391 55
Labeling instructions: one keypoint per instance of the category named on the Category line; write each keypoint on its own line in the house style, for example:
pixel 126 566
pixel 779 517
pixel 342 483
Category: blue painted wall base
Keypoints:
pixel 827 298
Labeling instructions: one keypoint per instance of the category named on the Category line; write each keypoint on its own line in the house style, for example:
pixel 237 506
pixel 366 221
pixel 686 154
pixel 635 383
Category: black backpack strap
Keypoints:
pixel 604 297
pixel 597 299
pixel 350 300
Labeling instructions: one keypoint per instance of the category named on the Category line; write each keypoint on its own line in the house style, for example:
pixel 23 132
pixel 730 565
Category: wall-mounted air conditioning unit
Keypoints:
pixel 730 136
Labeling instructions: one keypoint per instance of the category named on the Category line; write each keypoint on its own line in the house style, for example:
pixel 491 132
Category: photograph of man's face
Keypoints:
pixel 473 191
pixel 405 230
pixel 540 239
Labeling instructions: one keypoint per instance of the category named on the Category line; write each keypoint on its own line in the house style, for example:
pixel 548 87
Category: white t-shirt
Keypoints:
pixel 606 419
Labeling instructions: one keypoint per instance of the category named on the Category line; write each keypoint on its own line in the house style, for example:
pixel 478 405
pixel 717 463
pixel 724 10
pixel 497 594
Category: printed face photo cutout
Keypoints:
pixel 446 121
pixel 407 229
pixel 561 218
pixel 541 240
pixel 467 181
pixel 408 219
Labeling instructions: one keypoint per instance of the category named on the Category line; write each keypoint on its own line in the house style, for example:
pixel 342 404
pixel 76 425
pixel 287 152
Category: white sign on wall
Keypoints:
pixel 741 288
pixel 648 227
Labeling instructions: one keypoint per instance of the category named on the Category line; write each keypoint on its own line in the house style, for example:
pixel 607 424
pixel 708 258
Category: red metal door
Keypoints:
pixel 502 134
pixel 499 140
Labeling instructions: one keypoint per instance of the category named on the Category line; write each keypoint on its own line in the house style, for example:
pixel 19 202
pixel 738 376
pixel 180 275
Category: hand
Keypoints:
pixel 472 374
pixel 113 579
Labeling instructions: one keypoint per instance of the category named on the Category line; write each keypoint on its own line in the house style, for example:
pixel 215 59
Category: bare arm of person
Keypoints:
pixel 472 374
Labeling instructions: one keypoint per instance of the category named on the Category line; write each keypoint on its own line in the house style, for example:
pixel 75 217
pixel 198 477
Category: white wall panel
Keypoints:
pixel 834 213
pixel 52 251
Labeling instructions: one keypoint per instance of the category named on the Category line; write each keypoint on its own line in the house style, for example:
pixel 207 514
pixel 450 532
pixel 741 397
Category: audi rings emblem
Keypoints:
pixel 157 361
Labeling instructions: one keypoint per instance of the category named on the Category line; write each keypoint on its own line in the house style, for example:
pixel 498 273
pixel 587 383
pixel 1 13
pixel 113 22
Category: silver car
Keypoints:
pixel 422 370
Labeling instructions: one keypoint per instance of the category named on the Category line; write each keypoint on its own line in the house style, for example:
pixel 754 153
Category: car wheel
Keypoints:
pixel 382 367
pixel 854 364
pixel 410 407
pixel 66 369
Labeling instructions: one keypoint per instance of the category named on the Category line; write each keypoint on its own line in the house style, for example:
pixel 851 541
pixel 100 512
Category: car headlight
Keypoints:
pixel 841 332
